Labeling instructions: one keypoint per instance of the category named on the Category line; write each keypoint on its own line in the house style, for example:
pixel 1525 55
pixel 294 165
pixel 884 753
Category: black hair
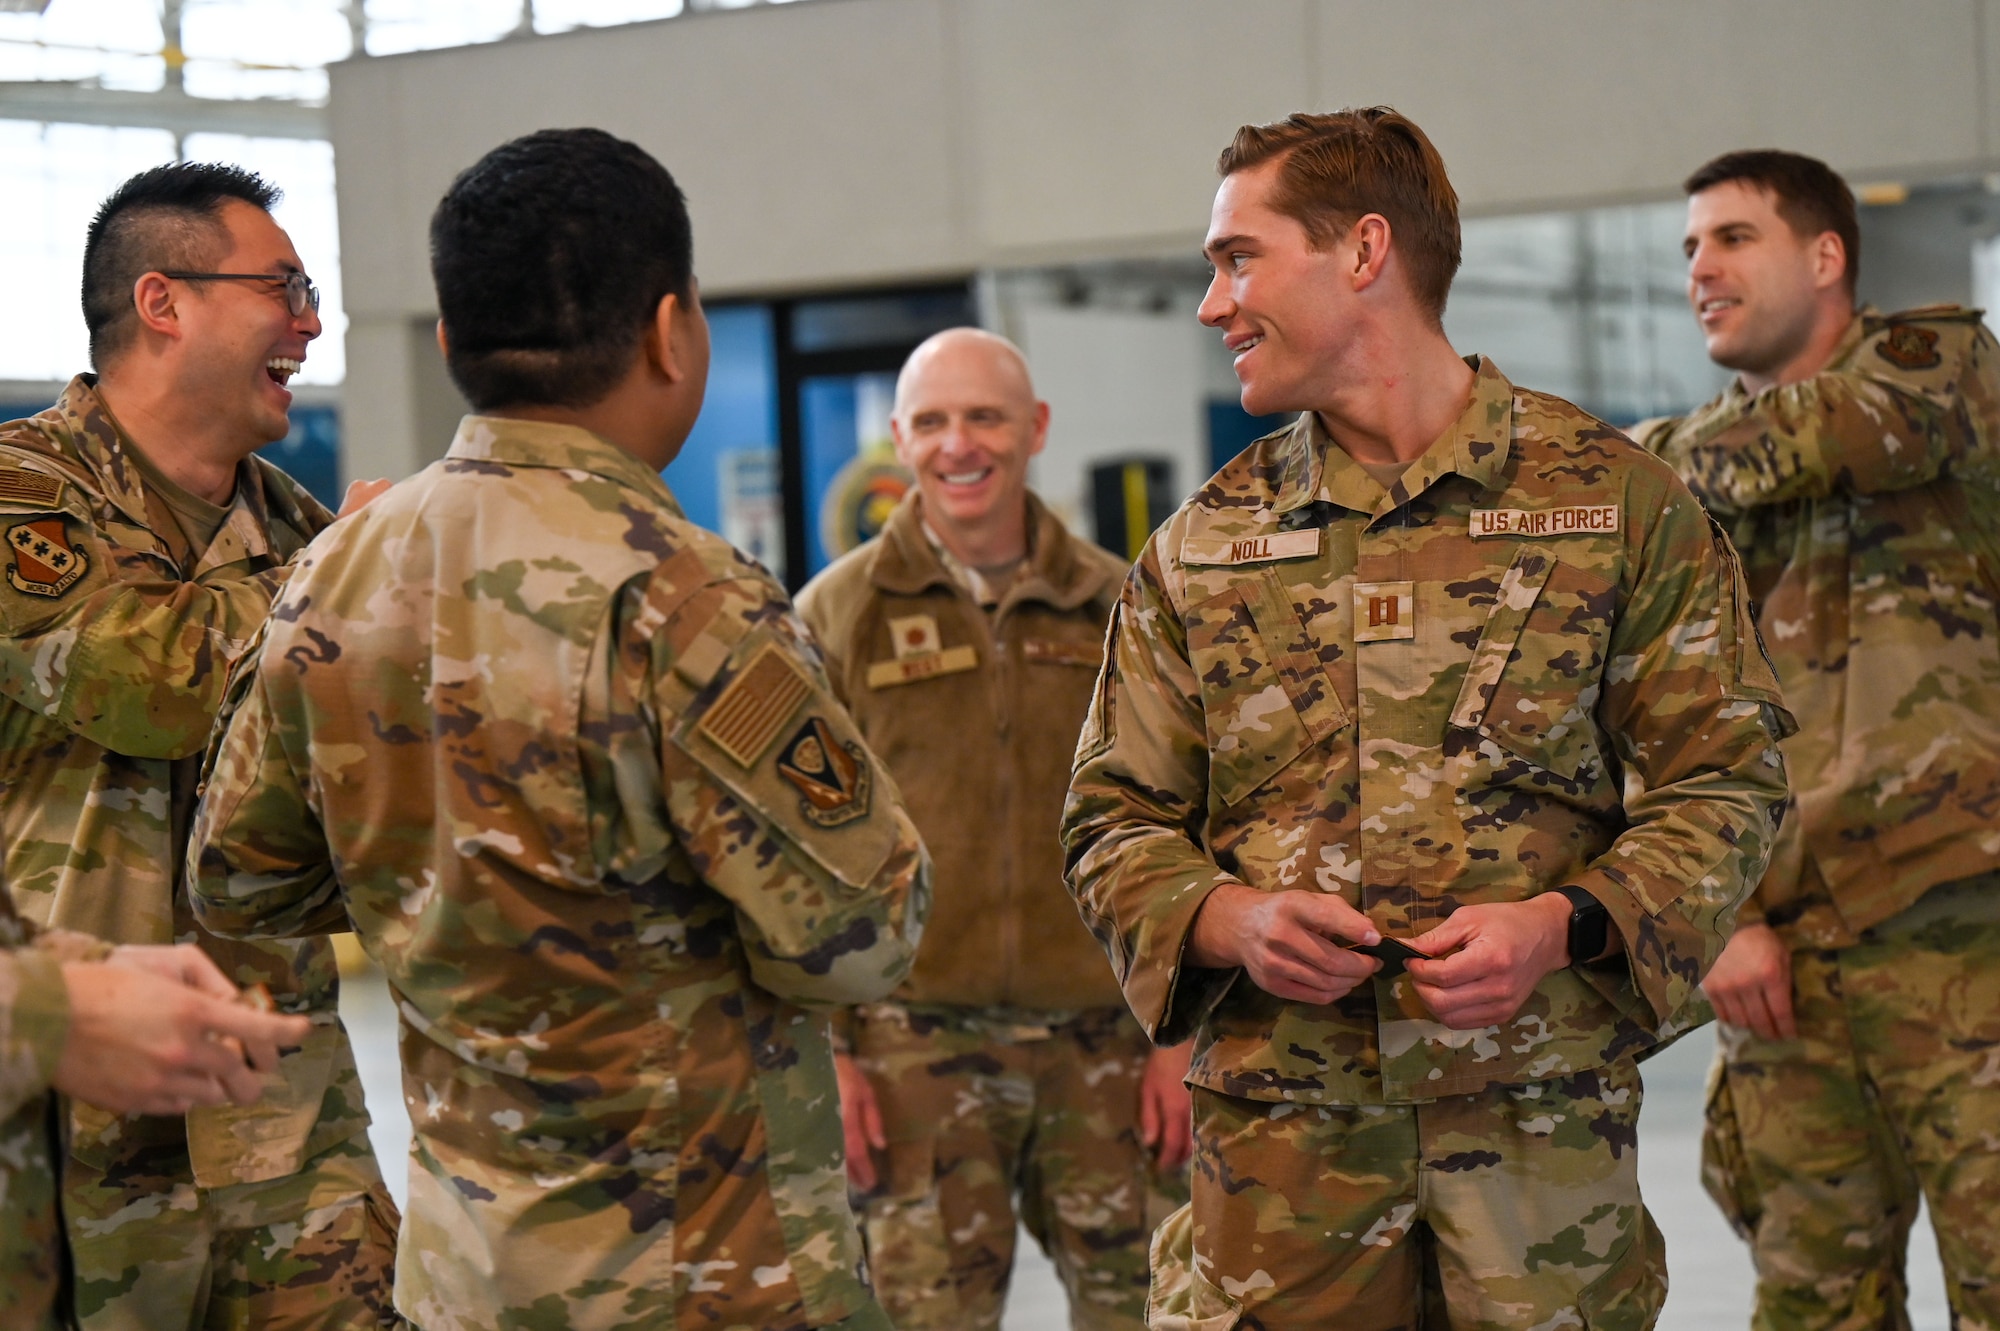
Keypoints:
pixel 1809 194
pixel 551 254
pixel 167 218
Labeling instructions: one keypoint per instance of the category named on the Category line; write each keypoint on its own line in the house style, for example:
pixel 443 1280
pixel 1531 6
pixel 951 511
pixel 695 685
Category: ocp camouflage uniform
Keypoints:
pixel 115 637
pixel 570 765
pixel 1527 664
pixel 34 1026
pixel 1866 503
pixel 1007 1064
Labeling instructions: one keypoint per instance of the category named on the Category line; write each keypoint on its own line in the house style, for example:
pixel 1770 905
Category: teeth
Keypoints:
pixel 1242 347
pixel 967 477
pixel 283 365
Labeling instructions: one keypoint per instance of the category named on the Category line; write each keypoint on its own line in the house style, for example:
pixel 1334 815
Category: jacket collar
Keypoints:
pixel 522 443
pixel 1475 446
pixel 99 444
pixel 1056 573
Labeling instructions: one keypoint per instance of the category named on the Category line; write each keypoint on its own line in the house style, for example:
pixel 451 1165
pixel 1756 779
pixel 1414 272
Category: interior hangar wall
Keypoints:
pixel 855 141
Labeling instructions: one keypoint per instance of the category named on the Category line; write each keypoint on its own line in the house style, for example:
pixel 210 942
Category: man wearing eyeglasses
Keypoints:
pixel 144 544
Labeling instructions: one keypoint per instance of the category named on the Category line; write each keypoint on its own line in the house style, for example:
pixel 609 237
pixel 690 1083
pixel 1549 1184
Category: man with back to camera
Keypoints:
pixel 1450 671
pixel 144 544
pixel 127 1029
pixel 1854 462
pixel 965 639
pixel 571 765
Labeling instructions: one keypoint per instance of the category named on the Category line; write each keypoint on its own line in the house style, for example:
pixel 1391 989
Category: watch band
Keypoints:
pixel 1589 925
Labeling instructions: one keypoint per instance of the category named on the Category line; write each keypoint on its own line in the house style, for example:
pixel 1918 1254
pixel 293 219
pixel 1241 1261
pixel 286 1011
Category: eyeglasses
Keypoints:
pixel 300 293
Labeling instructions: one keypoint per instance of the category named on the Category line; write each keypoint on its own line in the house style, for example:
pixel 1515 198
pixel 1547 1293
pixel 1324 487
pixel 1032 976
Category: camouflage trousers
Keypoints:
pixel 313 1251
pixel 1817 1149
pixel 980 1110
pixel 1516 1207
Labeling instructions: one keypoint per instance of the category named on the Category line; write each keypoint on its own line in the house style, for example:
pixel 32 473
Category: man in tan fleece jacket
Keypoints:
pixel 1006 1071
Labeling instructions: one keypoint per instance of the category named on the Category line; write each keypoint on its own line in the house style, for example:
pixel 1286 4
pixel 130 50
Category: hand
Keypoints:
pixel 360 494
pixel 1751 983
pixel 1498 954
pixel 1284 940
pixel 158 1031
pixel 860 1120
pixel 1166 1110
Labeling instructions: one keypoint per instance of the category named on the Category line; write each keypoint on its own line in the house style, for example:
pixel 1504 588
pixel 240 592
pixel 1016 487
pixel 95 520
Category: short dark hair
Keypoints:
pixel 1810 195
pixel 167 218
pixel 550 255
pixel 1337 167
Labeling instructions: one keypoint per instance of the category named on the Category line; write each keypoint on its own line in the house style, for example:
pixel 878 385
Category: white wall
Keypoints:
pixel 1117 384
pixel 855 141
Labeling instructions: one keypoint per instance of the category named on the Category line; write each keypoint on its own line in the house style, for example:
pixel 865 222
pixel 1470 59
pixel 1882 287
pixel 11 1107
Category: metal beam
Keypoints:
pixel 74 104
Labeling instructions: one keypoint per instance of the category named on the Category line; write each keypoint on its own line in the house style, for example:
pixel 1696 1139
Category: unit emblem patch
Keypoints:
pixel 914 635
pixel 44 563
pixel 831 778
pixel 1910 347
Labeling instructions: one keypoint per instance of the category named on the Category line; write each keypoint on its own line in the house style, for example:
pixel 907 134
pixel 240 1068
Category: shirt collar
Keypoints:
pixel 1475 446
pixel 522 443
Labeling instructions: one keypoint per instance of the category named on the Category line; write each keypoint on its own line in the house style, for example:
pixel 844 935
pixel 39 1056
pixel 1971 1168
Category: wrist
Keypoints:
pixel 1214 935
pixel 1556 912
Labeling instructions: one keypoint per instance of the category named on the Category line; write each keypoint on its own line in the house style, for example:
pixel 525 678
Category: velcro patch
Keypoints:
pixel 832 779
pixel 755 706
pixel 910 669
pixel 1385 611
pixel 1591 519
pixel 44 562
pixel 1251 549
pixel 1910 347
pixel 21 486
pixel 914 635
pixel 1044 651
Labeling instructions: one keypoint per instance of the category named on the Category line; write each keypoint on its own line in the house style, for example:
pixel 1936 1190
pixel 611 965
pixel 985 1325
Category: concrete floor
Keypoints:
pixel 1709 1269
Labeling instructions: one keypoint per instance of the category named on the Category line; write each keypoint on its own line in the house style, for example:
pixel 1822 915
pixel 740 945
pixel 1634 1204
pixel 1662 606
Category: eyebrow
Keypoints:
pixel 1221 243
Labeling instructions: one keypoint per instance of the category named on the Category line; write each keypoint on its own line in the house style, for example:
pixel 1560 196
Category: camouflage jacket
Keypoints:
pixel 34 1023
pixel 1866 503
pixel 1528 665
pixel 977 716
pixel 113 655
pixel 570 765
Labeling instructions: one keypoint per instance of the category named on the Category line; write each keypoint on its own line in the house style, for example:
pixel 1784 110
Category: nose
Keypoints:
pixel 1216 303
pixel 307 324
pixel 1702 263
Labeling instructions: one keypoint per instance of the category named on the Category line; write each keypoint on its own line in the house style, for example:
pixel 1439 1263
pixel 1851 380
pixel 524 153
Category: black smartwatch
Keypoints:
pixel 1589 926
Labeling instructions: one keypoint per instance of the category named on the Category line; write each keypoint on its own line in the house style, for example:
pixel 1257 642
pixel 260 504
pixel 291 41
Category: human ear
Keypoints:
pixel 1371 248
pixel 153 299
pixel 444 343
pixel 664 339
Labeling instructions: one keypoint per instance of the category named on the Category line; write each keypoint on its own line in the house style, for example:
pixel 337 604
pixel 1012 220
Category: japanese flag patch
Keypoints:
pixel 45 564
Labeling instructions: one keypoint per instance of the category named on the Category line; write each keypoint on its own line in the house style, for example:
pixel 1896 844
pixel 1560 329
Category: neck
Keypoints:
pixel 188 446
pixel 1001 539
pixel 1397 395
pixel 1830 324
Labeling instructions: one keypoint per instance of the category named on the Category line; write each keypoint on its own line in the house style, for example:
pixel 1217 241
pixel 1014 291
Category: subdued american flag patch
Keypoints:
pixel 755 706
pixel 21 486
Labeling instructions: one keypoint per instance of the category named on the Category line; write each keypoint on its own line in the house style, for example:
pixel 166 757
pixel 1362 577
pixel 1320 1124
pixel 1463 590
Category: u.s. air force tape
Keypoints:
pixel 1597 519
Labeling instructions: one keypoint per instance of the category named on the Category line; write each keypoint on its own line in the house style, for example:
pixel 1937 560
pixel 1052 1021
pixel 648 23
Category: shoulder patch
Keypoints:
pixel 44 562
pixel 1909 347
pixel 18 485
pixel 832 779
pixel 755 706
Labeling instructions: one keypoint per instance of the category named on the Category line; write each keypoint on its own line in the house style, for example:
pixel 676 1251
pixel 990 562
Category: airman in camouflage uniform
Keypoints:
pixel 571 766
pixel 119 617
pixel 34 1025
pixel 131 1029
pixel 1414 687
pixel 1857 465
pixel 965 640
